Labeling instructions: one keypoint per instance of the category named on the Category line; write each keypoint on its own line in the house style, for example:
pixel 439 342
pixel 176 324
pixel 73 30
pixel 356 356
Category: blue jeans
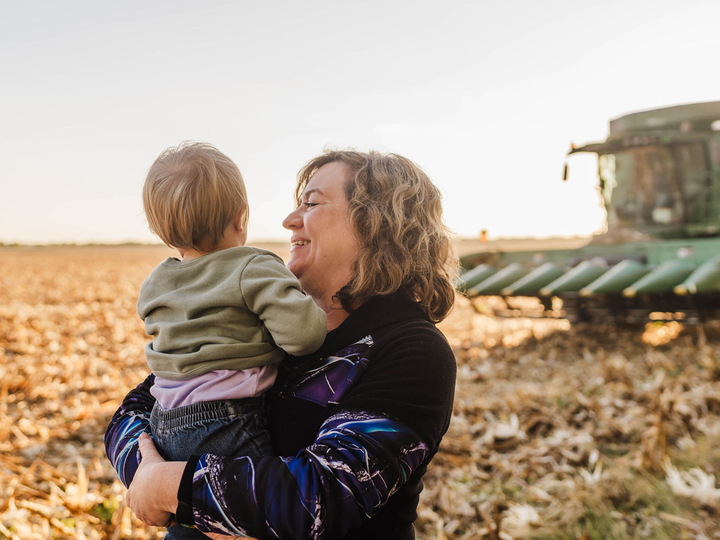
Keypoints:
pixel 230 428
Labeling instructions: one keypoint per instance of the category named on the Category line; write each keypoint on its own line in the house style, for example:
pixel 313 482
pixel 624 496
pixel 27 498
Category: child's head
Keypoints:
pixel 192 193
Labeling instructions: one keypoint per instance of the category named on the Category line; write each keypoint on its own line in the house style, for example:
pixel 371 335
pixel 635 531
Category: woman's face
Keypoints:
pixel 324 246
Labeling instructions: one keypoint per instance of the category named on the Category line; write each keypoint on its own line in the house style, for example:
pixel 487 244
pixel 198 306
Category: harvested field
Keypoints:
pixel 559 432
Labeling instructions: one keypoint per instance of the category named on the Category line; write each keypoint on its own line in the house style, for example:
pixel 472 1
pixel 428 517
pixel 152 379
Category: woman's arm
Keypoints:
pixel 357 462
pixel 130 421
pixel 386 428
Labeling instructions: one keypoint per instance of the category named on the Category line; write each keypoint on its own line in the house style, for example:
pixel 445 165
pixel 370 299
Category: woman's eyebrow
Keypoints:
pixel 311 191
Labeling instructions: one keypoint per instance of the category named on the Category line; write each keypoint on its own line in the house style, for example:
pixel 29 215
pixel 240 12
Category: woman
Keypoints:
pixel 358 421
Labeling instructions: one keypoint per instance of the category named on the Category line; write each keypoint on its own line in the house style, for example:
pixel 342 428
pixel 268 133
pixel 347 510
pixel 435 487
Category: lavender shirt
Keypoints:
pixel 214 385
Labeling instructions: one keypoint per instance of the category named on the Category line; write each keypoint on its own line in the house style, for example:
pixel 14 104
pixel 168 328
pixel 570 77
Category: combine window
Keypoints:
pixel 654 185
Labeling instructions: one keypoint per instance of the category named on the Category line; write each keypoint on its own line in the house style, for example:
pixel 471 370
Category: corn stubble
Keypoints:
pixel 558 432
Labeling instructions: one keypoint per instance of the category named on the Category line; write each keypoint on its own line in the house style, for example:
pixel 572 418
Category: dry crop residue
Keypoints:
pixel 558 431
pixel 577 432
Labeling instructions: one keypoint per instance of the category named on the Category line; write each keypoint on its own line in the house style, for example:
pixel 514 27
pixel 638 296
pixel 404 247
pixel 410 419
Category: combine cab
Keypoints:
pixel 660 259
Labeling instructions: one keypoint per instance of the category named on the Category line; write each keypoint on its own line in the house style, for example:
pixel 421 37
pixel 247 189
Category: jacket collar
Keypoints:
pixel 376 313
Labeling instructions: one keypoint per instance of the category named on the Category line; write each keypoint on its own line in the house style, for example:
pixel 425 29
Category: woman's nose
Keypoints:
pixel 293 220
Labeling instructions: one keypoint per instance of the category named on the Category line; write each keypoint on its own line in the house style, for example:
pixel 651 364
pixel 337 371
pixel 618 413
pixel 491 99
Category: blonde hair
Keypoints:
pixel 396 214
pixel 192 192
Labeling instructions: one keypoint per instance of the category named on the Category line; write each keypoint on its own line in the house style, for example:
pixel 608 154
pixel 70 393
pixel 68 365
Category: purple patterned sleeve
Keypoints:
pixel 356 463
pixel 127 424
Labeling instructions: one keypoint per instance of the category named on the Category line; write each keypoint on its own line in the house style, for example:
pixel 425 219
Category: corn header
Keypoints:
pixel 659 178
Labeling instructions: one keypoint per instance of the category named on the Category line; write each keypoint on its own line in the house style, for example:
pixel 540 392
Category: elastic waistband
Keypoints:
pixel 204 411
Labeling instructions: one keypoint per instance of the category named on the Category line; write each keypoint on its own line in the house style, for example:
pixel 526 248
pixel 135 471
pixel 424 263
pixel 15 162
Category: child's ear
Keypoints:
pixel 239 221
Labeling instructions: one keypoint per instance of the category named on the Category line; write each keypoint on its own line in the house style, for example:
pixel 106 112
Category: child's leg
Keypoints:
pixel 231 428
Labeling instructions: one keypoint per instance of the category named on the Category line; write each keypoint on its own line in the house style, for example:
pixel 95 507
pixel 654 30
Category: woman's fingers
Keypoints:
pixel 151 489
pixel 147 449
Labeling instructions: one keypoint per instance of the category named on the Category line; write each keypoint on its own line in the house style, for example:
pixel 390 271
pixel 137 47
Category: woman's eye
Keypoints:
pixel 310 204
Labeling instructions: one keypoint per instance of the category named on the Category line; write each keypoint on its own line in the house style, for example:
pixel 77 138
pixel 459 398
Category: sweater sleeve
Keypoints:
pixel 273 293
pixel 360 456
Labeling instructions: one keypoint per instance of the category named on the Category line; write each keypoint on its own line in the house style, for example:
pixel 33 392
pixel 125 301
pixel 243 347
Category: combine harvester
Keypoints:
pixel 660 259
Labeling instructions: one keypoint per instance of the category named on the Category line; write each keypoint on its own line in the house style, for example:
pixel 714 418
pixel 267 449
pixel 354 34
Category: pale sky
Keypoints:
pixel 486 96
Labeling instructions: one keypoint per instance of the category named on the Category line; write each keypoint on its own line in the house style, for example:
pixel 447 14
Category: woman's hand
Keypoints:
pixel 153 492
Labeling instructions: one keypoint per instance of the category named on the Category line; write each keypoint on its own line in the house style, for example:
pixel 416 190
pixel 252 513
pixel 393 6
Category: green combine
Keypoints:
pixel 660 258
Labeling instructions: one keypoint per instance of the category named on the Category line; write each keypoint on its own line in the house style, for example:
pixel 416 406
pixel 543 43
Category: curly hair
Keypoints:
pixel 396 214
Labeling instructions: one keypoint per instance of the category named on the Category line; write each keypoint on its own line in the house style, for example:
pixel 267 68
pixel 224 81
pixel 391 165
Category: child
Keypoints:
pixel 220 317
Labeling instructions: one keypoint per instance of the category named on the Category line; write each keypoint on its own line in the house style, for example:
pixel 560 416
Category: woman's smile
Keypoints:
pixel 323 244
pixel 294 244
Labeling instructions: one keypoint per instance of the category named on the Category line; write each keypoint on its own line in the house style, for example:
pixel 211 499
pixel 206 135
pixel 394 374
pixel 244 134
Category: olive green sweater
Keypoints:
pixel 230 309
